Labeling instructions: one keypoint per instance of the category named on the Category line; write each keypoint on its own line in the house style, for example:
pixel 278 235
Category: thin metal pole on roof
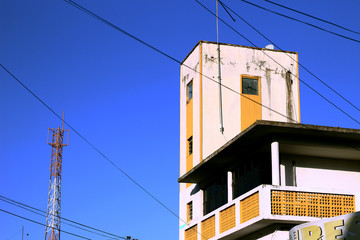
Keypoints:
pixel 220 93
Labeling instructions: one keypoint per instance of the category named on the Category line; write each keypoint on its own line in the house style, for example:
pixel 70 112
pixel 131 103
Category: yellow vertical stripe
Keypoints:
pixel 250 105
pixel 201 106
pixel 298 82
pixel 181 86
pixel 189 133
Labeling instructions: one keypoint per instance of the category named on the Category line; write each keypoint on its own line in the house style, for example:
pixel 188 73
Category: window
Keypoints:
pixel 189 91
pixel 250 173
pixel 190 144
pixel 215 195
pixel 189 211
pixel 250 86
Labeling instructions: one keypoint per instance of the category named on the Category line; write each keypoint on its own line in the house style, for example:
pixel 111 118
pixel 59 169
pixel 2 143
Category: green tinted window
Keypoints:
pixel 250 86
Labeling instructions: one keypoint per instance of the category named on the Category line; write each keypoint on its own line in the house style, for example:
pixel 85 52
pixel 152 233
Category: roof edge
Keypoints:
pixel 234 45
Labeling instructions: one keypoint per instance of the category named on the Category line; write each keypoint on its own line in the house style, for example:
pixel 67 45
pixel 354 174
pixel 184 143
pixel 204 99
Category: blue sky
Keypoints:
pixel 124 98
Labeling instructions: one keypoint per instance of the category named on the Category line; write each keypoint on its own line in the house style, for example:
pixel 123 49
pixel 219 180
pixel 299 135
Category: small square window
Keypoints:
pixel 189 91
pixel 190 144
pixel 250 86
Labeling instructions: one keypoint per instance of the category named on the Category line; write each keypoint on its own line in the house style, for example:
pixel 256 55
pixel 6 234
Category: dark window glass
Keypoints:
pixel 190 211
pixel 250 86
pixel 250 173
pixel 189 91
pixel 190 142
pixel 215 195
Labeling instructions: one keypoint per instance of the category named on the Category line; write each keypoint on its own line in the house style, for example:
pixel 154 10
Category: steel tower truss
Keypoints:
pixel 52 231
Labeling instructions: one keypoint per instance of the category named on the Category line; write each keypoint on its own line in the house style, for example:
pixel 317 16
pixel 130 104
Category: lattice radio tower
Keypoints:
pixel 52 231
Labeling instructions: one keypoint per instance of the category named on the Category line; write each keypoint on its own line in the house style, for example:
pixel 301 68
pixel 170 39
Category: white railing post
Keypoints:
pixel 275 163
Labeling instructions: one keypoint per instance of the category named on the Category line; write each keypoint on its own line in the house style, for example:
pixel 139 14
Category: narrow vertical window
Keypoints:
pixel 190 144
pixel 189 211
pixel 189 91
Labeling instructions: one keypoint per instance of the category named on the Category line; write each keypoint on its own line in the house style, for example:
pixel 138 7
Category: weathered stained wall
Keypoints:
pixel 279 89
pixel 189 71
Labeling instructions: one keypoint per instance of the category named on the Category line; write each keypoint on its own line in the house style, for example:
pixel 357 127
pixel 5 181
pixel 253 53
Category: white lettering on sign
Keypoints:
pixel 345 227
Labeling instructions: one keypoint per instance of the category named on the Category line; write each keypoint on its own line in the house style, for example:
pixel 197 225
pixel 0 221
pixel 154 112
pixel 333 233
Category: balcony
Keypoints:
pixel 267 205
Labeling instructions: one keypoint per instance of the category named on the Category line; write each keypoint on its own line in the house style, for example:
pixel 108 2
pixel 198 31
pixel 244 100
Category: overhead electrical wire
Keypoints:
pixel 139 40
pixel 355 147
pixel 39 212
pixel 94 147
pixel 306 69
pixel 168 56
pixel 118 29
pixel 298 20
pixel 306 84
pixel 311 16
pixel 30 220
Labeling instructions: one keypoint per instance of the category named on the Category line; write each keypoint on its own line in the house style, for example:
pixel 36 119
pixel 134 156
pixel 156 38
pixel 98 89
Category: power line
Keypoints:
pixel 30 220
pixel 96 149
pixel 39 211
pixel 88 142
pixel 297 20
pixel 118 29
pixel 161 52
pixel 174 59
pixel 350 146
pixel 306 84
pixel 308 15
pixel 157 50
pixel 306 69
pixel 166 55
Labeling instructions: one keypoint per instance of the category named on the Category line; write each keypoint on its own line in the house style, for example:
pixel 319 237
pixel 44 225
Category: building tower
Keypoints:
pixel 52 229
pixel 266 172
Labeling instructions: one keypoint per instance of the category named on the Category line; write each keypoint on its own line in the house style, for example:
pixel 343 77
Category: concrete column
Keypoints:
pixel 275 163
pixel 229 186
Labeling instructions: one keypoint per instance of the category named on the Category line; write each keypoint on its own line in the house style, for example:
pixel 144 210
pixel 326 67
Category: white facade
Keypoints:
pixel 265 160
pixel 279 101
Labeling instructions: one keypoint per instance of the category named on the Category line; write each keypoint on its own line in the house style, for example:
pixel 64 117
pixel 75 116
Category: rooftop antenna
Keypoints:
pixel 219 62
pixel 219 76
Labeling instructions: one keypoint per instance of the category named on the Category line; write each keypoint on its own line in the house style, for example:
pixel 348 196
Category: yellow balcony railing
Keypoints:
pixel 227 219
pixel 208 228
pixel 265 205
pixel 191 233
pixel 309 204
pixel 249 207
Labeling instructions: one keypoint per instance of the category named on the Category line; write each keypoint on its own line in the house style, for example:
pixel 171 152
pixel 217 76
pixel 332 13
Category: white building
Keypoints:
pixel 265 172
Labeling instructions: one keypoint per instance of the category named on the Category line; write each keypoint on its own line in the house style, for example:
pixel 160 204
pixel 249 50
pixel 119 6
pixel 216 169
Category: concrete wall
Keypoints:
pixel 190 73
pixel 321 173
pixel 279 89
pixel 279 93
